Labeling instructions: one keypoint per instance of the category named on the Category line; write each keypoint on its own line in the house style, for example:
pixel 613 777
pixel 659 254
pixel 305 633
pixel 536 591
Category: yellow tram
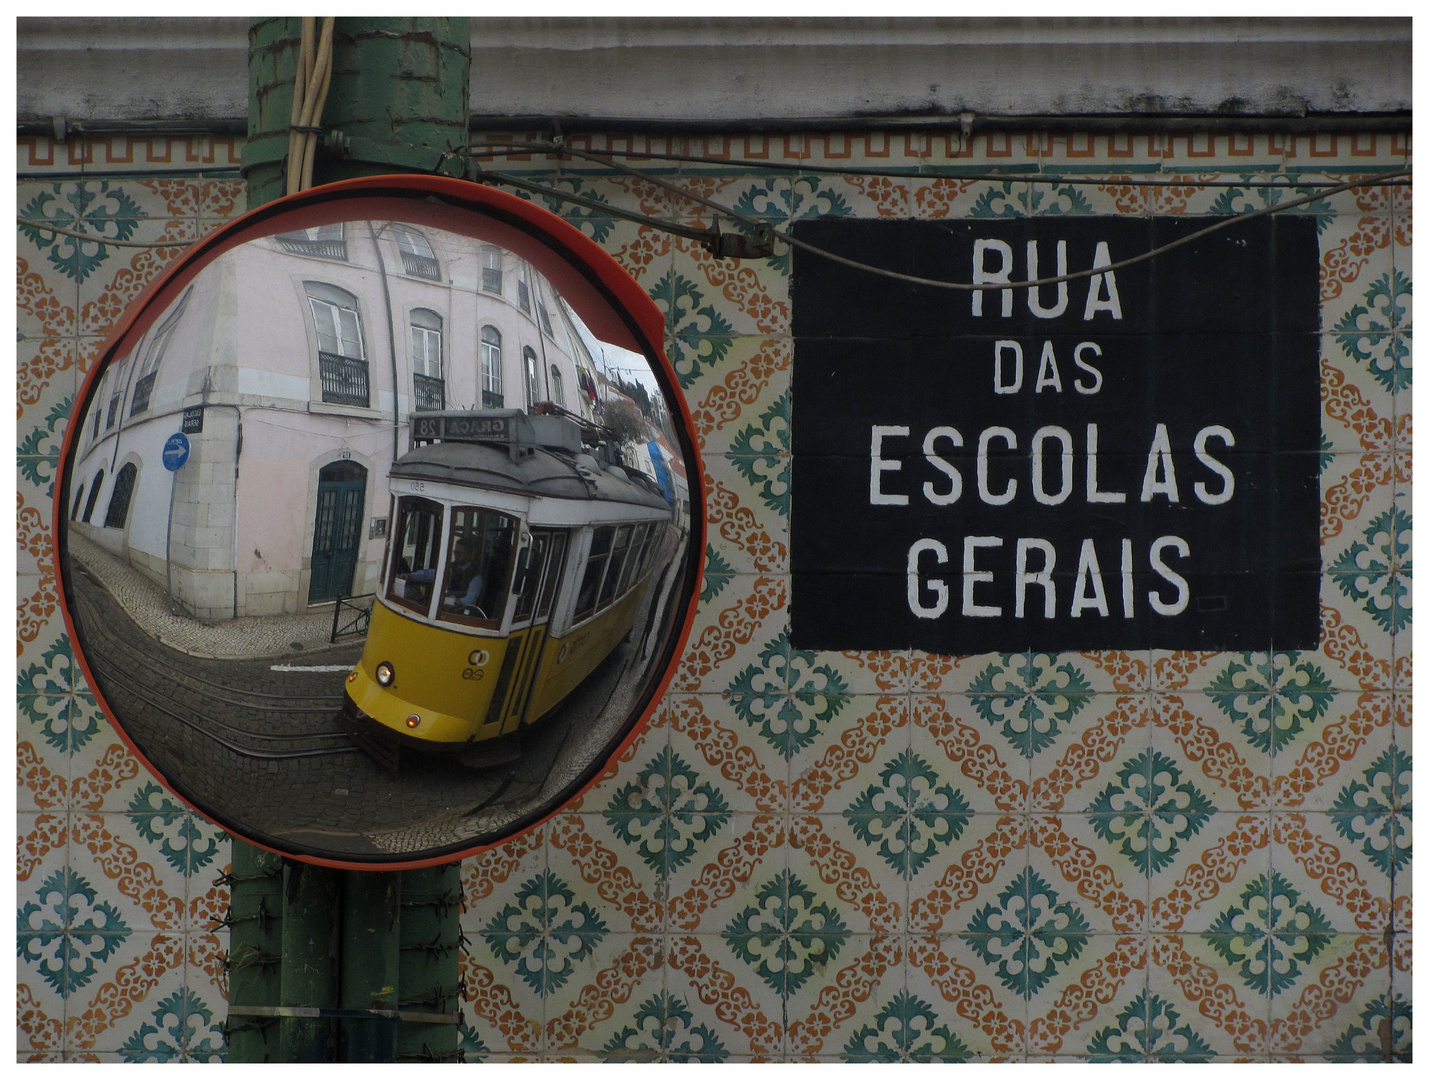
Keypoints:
pixel 518 561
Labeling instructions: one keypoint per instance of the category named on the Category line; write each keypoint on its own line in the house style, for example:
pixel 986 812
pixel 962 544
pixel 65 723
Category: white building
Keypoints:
pixel 292 363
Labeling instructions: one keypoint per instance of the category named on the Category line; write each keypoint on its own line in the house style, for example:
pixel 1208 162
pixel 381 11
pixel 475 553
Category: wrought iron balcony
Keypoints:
pixel 302 244
pixel 344 380
pixel 142 389
pixel 491 400
pixel 430 393
pixel 421 266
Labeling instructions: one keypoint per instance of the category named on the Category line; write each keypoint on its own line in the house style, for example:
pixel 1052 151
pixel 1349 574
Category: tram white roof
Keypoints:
pixel 536 473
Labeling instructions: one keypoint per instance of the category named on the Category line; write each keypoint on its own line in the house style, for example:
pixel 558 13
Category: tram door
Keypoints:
pixel 529 624
pixel 337 530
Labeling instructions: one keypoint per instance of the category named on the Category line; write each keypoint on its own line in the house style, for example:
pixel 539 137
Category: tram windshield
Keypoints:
pixel 415 552
pixel 478 566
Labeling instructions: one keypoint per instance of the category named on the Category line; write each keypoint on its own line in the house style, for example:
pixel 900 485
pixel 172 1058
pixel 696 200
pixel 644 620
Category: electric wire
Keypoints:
pixel 958 286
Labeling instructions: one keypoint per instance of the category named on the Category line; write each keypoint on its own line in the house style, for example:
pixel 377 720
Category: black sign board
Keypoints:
pixel 1128 460
pixel 193 420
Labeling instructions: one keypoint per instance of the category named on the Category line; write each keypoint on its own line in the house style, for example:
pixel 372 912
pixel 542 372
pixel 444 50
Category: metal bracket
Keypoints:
pixel 734 245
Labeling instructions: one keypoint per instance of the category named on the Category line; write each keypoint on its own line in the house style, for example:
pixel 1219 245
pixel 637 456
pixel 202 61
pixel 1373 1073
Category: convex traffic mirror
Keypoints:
pixel 379 526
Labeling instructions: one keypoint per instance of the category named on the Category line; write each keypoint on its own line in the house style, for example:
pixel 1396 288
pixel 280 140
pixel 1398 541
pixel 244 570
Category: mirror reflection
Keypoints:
pixel 373 548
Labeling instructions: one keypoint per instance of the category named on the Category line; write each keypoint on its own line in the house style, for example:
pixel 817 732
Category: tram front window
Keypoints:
pixel 478 566
pixel 415 553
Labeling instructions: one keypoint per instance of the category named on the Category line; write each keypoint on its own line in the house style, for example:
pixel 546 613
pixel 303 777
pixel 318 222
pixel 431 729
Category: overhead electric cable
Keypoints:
pixel 960 286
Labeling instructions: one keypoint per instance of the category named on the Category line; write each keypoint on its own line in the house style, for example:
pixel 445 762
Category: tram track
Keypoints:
pixel 127 670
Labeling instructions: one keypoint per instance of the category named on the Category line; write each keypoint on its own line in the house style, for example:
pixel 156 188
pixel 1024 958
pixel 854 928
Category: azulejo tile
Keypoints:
pixel 1346 860
pixel 1213 1020
pixel 823 1023
pixel 1354 733
pixel 709 737
pixel 655 1025
pixel 1228 855
pixel 955 741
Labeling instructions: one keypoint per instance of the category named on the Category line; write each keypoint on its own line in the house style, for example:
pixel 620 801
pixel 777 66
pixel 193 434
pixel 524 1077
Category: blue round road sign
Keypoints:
pixel 176 451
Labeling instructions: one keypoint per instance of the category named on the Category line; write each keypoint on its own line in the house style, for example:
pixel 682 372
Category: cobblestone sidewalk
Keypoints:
pixel 245 638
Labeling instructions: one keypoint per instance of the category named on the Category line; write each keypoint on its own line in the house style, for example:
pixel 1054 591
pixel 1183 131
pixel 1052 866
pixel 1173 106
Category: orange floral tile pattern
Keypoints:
pixel 819 856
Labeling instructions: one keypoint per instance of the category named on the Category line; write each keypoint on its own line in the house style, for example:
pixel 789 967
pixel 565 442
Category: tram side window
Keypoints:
pixel 652 545
pixel 631 573
pixel 415 552
pixel 594 567
pixel 617 565
pixel 535 565
pixel 478 566
pixel 553 575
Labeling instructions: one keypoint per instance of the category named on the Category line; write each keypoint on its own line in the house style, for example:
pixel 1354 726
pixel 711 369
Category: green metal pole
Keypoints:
pixel 310 961
pixel 329 938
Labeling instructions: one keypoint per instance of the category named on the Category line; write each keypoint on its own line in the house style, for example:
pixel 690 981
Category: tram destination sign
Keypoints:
pixel 1125 460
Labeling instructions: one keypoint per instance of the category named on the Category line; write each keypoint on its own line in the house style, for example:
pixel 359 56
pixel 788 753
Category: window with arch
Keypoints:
pixel 342 362
pixel 78 498
pixel 428 386
pixel 533 387
pixel 558 390
pixel 118 512
pixel 418 258
pixel 93 495
pixel 323 242
pixel 149 369
pixel 491 269
pixel 491 395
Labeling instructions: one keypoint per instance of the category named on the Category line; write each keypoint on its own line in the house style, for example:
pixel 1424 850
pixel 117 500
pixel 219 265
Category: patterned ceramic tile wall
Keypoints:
pixel 820 856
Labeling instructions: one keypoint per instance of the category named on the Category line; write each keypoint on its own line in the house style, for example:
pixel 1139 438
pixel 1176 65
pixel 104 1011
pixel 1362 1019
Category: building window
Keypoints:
pixel 428 386
pixel 491 395
pixel 418 258
pixel 523 291
pixel 342 363
pixel 545 317
pixel 148 371
pixel 324 242
pixel 558 390
pixel 79 498
pixel 114 400
pixel 533 389
pixel 491 269
pixel 118 512
pixel 93 495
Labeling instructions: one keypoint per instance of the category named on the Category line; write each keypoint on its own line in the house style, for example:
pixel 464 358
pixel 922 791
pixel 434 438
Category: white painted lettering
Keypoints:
pixel 1183 592
pixel 1089 573
pixel 1042 577
pixel 1227 477
pixel 937 585
pixel 1099 283
pixel 878 466
pixel 1034 295
pixel 1093 495
pixel 1039 489
pixel 1096 350
pixel 955 478
pixel 1159 464
pixel 999 384
pixel 972 575
pixel 988 434
pixel 984 276
pixel 1128 584
pixel 1047 373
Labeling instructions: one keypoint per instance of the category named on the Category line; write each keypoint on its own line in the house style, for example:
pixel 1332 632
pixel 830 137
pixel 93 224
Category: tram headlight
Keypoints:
pixel 385 673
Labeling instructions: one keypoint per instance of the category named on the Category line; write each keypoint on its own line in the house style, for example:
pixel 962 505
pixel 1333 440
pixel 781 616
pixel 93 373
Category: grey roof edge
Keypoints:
pixel 742 72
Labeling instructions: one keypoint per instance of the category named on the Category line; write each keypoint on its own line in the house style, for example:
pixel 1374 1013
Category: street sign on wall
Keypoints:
pixel 1124 460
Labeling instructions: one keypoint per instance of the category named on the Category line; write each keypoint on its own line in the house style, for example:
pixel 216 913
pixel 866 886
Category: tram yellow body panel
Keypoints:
pixel 448 679
pixel 444 677
pixel 570 659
